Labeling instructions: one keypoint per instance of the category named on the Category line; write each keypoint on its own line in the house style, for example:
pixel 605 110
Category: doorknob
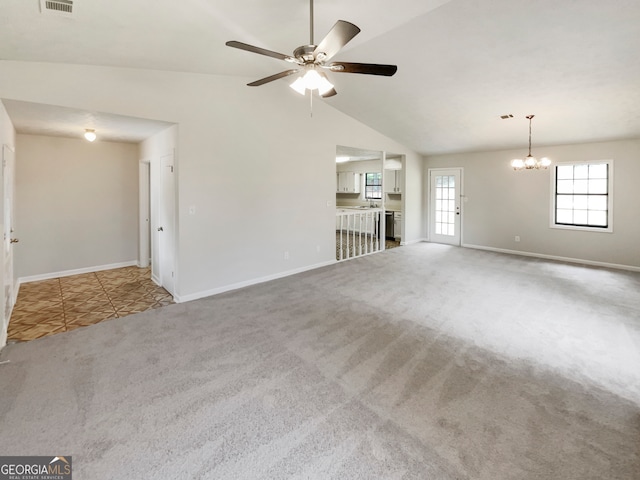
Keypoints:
pixel 15 240
pixel 160 229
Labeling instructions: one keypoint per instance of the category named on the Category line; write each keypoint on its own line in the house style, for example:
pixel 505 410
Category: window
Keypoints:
pixel 373 186
pixel 582 195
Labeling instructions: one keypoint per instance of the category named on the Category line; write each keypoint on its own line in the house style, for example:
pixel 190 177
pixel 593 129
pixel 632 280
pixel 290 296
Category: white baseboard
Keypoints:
pixel 139 264
pixel 555 257
pixel 78 271
pixel 411 242
pixel 16 287
pixel 247 283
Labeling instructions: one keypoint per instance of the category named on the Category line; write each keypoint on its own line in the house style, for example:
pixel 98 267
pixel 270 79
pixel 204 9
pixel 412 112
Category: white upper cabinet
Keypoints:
pixel 348 182
pixel 393 181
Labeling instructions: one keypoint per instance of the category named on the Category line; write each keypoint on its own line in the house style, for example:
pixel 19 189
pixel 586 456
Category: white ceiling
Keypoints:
pixel 55 121
pixel 461 63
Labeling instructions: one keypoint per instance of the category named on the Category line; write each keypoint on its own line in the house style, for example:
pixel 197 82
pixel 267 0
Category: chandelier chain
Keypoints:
pixel 530 117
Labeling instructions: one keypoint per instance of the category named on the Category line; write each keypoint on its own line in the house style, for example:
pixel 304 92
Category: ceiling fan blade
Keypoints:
pixel 271 78
pixel 261 51
pixel 330 93
pixel 339 35
pixel 364 68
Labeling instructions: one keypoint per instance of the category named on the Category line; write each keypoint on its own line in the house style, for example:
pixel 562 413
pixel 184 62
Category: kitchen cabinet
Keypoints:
pixel 397 225
pixel 393 181
pixel 348 182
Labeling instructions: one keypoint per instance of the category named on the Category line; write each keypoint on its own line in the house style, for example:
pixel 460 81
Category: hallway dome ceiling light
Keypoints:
pixel 90 134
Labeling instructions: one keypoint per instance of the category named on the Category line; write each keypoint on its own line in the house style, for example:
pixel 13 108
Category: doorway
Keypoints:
pixel 445 192
pixel 157 218
pixel 8 280
pixel 166 224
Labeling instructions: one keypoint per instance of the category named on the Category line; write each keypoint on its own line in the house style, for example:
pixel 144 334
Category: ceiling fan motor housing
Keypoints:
pixel 305 53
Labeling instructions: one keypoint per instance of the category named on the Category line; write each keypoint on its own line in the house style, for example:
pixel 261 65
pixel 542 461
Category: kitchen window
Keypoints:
pixel 373 186
pixel 582 197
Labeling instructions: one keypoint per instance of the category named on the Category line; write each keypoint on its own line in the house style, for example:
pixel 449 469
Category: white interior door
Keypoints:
pixel 444 205
pixel 144 214
pixel 8 163
pixel 166 225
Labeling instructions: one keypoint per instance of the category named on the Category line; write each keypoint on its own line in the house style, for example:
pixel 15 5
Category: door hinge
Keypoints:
pixel 171 168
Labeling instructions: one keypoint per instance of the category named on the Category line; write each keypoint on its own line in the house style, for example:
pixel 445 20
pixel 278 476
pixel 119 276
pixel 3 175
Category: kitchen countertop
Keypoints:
pixel 359 209
pixel 365 208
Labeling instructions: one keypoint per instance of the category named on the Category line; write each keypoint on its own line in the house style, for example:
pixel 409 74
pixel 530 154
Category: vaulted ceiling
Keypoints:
pixel 461 63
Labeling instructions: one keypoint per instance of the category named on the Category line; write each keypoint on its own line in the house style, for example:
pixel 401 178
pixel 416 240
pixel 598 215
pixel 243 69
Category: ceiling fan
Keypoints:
pixel 313 60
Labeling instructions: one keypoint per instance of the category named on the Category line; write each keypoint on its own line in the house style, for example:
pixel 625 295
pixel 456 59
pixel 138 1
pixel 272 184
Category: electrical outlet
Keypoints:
pixel 517 238
pixel 286 255
pixel 318 248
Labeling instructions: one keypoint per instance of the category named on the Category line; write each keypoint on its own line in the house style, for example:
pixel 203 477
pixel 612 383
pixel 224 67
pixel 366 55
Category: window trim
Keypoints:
pixel 552 213
pixel 367 185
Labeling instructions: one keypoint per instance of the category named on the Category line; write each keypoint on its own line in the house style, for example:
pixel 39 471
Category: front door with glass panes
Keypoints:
pixel 444 205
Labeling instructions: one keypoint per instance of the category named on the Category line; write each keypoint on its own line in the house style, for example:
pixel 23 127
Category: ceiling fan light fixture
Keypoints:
pixel 324 86
pixel 312 80
pixel 299 86
pixel 90 134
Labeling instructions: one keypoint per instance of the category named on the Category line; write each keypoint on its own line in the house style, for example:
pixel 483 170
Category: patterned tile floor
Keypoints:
pixel 64 304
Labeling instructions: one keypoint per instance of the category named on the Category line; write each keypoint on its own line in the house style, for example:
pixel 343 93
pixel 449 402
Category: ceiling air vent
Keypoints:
pixel 57 7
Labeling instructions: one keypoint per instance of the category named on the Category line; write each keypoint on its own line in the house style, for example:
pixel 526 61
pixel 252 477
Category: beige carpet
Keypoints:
pixel 425 362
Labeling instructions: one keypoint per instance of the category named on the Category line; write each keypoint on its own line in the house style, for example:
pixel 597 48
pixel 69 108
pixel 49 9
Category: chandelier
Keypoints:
pixel 530 161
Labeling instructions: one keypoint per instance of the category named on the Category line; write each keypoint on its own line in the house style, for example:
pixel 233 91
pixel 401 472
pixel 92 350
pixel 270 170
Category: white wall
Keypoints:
pixel 7 137
pixel 76 204
pixel 503 203
pixel 414 200
pixel 259 170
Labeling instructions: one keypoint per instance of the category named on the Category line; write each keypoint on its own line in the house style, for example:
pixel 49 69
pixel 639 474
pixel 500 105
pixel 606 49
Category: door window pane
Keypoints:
pixel 445 205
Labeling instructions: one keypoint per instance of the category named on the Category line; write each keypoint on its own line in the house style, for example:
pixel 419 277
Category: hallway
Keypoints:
pixel 63 304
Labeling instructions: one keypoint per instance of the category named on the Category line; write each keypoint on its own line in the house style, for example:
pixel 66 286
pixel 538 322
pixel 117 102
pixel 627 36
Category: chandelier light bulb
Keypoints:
pixel 530 161
pixel 517 164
